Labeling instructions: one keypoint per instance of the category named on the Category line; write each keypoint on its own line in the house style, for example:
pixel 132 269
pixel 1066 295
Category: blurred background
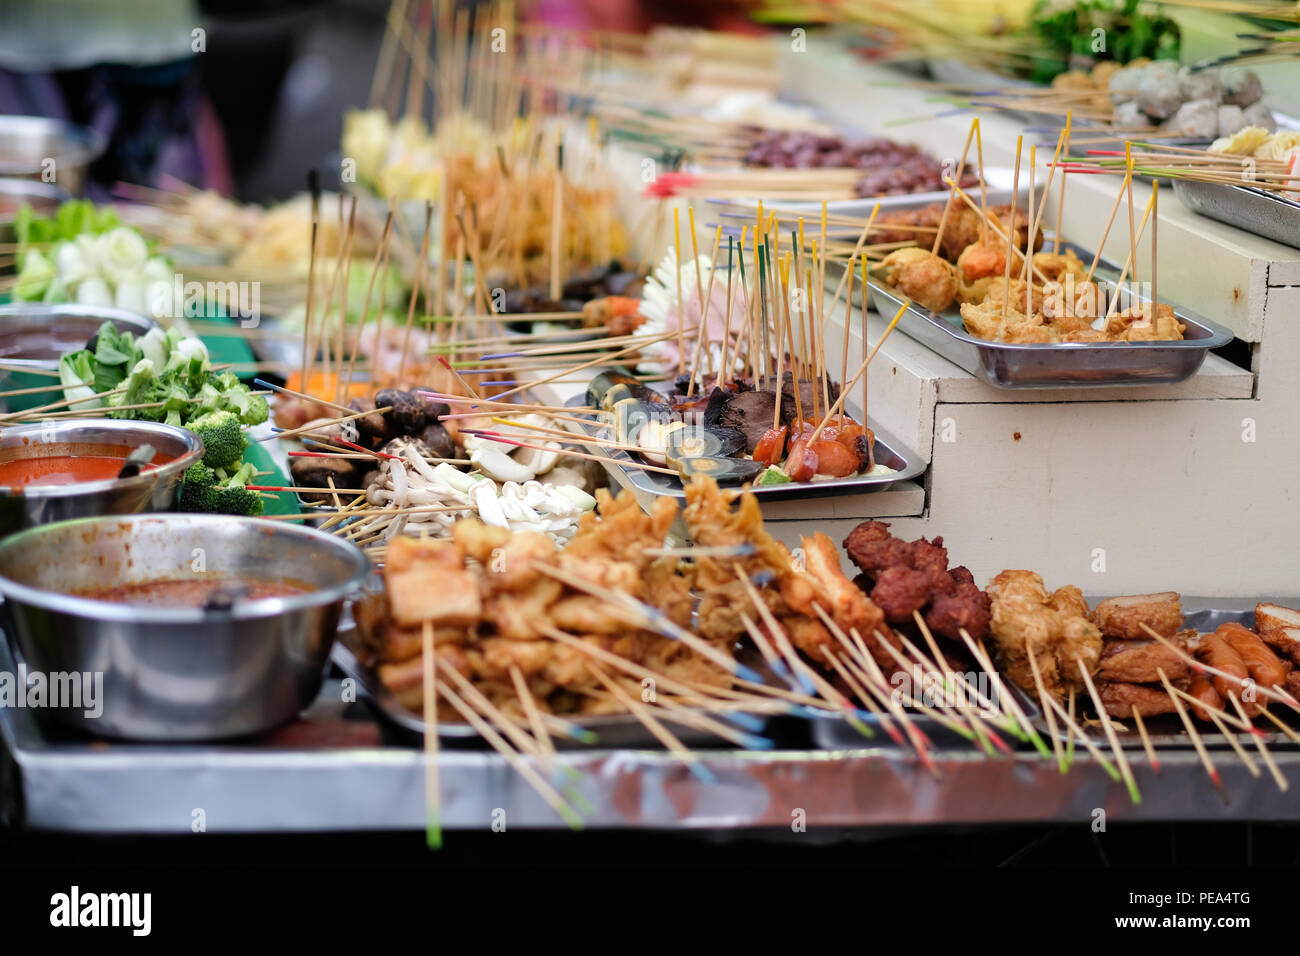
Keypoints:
pixel 251 101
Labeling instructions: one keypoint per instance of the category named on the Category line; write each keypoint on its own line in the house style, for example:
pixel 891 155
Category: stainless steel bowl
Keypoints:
pixel 33 336
pixel 50 150
pixel 183 674
pixel 151 490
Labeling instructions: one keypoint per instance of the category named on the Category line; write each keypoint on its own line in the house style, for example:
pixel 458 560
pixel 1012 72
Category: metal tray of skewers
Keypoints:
pixel 1166 731
pixel 1255 210
pixel 603 730
pixel 1065 364
pixel 889 452
pixel 973 694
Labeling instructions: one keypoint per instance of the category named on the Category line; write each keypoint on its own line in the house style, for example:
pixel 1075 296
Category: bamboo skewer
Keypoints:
pixel 1109 730
pixel 1191 730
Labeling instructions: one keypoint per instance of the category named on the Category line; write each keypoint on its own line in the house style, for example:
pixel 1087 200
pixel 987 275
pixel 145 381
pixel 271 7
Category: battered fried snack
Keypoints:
pixel 926 279
pixel 791 592
pixel 1123 617
pixel 1053 628
pixel 492 603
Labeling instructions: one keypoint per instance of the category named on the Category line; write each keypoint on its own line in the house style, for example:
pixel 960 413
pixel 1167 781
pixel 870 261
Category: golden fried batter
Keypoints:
pixel 926 279
pixel 1027 620
pixel 1123 617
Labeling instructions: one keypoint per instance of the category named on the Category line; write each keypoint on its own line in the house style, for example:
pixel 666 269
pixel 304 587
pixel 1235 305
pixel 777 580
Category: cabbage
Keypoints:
pixel 37 274
pixel 94 292
pixel 122 253
pixel 74 369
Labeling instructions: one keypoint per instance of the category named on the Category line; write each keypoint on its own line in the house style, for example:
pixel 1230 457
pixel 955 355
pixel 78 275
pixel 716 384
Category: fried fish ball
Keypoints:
pixel 926 279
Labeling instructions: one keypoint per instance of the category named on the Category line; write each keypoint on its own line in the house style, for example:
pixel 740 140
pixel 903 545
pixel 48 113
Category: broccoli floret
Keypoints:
pixel 234 499
pixel 142 388
pixel 252 409
pixel 223 438
pixel 199 490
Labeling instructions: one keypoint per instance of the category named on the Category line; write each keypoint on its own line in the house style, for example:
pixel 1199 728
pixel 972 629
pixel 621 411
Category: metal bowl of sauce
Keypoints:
pixel 193 627
pixel 52 471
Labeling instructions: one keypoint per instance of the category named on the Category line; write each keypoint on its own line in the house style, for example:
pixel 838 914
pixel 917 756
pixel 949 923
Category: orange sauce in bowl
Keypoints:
pixel 66 464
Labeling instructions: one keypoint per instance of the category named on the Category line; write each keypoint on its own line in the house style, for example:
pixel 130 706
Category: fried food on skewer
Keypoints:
pixel 718 519
pixel 1054 628
pixel 1123 617
pixel 926 279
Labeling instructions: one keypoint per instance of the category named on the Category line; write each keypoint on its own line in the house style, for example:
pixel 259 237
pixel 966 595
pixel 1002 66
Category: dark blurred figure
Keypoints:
pixel 126 68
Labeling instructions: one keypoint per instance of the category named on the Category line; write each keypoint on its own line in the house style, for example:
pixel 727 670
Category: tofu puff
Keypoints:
pixel 1123 617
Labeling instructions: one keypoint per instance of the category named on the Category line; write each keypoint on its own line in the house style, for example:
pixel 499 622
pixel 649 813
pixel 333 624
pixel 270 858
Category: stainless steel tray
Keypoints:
pixel 1166 730
pixel 611 730
pixel 889 451
pixel 1067 365
pixel 1254 210
pixel 833 732
pixel 332 771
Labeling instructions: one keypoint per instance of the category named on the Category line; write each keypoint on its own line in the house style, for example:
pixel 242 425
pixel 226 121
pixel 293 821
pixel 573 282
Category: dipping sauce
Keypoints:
pixel 63 463
pixel 191 592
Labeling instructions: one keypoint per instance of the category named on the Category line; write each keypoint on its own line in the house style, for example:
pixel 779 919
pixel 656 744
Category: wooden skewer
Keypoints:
pixel 1191 730
pixel 1233 742
pixel 1069 744
pixel 681 301
pixel 67 401
pixel 1015 205
pixel 30 371
pixel 1060 203
pixel 1146 741
pixel 654 620
pixel 947 207
pixel 371 512
pixel 1073 727
pixel 1003 695
pixel 651 340
pixel 603 459
pixel 321 426
pixel 433 823
pixel 1119 198
pixel 13 393
pixel 544 789
pixel 1046 700
pixel 1109 730
pixel 313 186
pixel 651 723
pixel 862 370
pixel 1009 240
pixel 1263 750
pixel 421 268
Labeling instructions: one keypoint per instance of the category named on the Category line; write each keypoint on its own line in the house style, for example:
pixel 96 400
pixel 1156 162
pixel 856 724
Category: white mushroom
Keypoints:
pixel 497 464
